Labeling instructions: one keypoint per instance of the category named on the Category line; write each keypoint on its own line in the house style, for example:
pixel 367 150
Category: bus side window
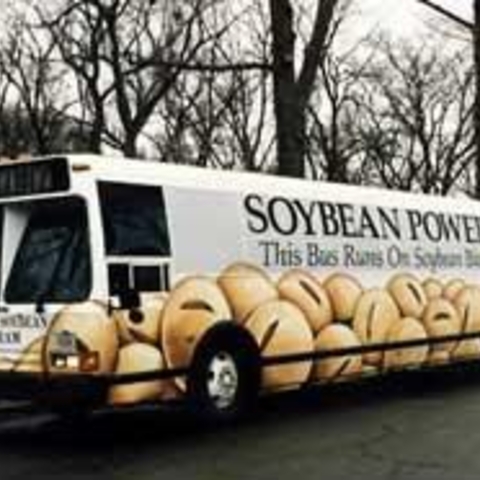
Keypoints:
pixel 147 279
pixel 123 277
pixel 134 220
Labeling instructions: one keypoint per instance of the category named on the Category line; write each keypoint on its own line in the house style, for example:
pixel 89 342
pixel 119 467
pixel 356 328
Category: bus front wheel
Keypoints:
pixel 225 373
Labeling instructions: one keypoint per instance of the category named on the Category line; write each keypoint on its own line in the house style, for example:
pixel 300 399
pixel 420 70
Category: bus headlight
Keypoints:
pixel 69 353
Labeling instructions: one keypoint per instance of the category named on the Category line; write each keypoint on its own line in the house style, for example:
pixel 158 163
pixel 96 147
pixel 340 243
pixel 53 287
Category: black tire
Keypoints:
pixel 232 351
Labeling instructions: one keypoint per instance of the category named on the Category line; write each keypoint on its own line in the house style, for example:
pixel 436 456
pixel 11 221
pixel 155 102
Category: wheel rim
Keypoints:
pixel 222 383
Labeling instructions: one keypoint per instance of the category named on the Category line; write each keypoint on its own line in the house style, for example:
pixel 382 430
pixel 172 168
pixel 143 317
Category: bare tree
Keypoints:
pixel 415 120
pixel 292 92
pixel 126 55
pixel 219 124
pixel 474 28
pixel 11 121
pixel 332 116
pixel 220 117
pixel 79 36
pixel 37 88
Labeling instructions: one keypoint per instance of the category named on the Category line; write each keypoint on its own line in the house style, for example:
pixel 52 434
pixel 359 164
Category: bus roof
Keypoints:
pixel 118 169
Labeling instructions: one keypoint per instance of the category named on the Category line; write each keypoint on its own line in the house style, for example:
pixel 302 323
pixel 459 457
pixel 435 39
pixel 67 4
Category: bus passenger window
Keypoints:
pixel 134 220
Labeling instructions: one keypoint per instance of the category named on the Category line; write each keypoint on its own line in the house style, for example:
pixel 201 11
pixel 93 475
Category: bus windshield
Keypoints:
pixel 52 262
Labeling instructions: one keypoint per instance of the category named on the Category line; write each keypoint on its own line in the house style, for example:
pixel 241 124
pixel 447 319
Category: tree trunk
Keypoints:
pixel 291 120
pixel 292 94
pixel 98 124
pixel 130 145
pixel 476 48
pixel 288 115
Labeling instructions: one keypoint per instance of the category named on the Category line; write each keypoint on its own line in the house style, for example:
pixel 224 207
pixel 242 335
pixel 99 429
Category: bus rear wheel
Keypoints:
pixel 224 378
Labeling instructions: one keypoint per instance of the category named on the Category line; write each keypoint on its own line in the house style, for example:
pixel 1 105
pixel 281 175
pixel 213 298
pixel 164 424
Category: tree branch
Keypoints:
pixel 315 49
pixel 447 14
pixel 216 68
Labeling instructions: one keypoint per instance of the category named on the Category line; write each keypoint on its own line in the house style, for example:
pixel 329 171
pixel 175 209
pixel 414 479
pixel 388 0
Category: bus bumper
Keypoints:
pixel 89 390
pixel 53 390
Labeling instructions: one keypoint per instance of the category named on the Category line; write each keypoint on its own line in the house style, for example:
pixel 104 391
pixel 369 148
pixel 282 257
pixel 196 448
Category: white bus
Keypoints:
pixel 127 281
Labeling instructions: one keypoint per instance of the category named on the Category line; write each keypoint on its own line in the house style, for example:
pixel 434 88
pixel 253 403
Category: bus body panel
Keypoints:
pixel 307 268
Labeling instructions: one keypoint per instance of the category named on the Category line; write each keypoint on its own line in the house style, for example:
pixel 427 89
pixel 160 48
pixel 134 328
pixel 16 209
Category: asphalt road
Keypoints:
pixel 429 428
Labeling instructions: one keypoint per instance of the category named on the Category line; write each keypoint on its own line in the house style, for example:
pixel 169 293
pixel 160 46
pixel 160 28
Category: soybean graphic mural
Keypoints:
pixel 298 313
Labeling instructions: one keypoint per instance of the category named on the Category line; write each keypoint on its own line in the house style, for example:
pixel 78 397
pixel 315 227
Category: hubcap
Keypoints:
pixel 222 382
